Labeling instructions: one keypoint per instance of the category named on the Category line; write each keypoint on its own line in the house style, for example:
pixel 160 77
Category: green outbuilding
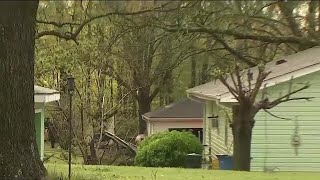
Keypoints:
pixel 42 96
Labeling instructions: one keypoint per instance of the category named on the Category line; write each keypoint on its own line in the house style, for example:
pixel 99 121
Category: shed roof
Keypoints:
pixel 43 95
pixel 183 109
pixel 43 90
pixel 293 66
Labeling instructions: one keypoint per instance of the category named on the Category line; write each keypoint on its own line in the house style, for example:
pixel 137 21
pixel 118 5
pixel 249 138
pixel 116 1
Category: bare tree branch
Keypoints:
pixel 232 51
pixel 154 93
pixel 181 59
pixel 249 79
pixel 235 84
pixel 285 97
pixel 73 35
pixel 78 141
pixel 262 75
pixel 241 35
pixel 266 104
pixel 239 82
pixel 287 12
pixel 265 6
pixel 311 18
pixel 275 115
pixel 57 24
pixel 231 89
pixel 67 35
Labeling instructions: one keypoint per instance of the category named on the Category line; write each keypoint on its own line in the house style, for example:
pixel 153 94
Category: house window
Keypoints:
pixel 198 132
pixel 214 121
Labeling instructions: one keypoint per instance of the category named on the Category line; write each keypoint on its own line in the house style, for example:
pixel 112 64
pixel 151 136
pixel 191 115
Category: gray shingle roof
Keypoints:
pixel 183 109
pixel 295 65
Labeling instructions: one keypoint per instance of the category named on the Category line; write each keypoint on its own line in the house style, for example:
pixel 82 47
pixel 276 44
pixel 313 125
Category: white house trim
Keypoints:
pixel 174 119
pixel 44 98
pixel 227 97
pixel 170 118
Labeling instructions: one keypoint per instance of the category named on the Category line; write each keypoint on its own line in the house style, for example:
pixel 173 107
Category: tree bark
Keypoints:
pixel 161 97
pixel 204 71
pixel 19 156
pixel 92 159
pixel 286 9
pixel 242 132
pixel 168 79
pixel 205 74
pixel 193 72
pixel 144 107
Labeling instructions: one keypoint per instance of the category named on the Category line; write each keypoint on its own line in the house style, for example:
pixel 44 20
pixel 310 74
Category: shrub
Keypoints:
pixel 167 149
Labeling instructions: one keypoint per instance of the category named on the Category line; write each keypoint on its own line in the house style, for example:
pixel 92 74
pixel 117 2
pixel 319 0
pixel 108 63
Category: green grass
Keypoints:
pixel 81 172
pixel 60 156
pixel 58 167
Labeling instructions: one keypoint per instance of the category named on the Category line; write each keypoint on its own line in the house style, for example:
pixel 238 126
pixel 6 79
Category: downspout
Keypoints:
pixel 204 125
pixel 226 129
pixel 204 118
pixel 209 131
pixel 204 131
pixel 217 111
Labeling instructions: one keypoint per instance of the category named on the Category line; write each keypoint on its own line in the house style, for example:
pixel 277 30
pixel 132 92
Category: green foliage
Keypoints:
pixel 167 149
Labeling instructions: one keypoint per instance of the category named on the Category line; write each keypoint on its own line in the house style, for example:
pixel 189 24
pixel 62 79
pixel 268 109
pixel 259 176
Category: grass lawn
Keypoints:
pixel 57 166
pixel 59 156
pixel 81 172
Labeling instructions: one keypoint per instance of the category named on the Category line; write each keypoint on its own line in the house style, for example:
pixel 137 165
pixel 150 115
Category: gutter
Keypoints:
pixel 47 93
pixel 173 119
pixel 295 74
pixel 200 96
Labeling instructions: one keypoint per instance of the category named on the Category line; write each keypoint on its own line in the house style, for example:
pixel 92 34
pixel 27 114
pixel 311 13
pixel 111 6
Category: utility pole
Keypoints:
pixel 71 86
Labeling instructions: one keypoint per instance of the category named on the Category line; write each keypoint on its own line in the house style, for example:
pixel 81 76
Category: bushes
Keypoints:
pixel 167 149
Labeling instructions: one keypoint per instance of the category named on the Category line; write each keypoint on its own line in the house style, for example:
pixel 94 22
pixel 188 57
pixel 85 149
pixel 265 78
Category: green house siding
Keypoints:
pixel 272 137
pixel 39 126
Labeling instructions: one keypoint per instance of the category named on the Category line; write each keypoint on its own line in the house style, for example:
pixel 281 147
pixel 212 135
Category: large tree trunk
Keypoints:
pixel 193 72
pixel 144 107
pixel 19 156
pixel 242 131
pixel 205 73
pixel 169 88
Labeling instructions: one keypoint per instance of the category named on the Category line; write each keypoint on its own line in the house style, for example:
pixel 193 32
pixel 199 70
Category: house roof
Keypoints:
pixel 183 109
pixel 43 95
pixel 282 70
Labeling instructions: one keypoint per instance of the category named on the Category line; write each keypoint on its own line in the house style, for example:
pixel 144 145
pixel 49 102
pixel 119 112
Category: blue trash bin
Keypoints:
pixel 225 162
